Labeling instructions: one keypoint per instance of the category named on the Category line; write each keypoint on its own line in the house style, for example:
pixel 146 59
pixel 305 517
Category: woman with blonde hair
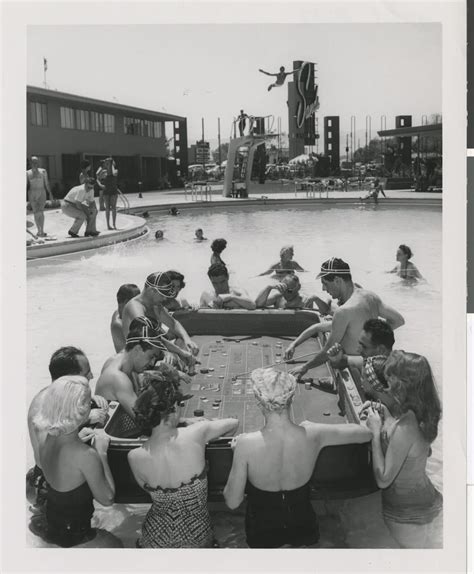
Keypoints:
pixel 286 265
pixel 275 464
pixel 401 447
pixel 171 466
pixel 76 473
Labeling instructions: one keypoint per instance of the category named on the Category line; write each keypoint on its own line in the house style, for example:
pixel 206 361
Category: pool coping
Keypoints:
pixel 138 227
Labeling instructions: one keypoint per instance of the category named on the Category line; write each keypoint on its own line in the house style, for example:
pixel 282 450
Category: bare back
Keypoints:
pixel 281 460
pixel 171 461
pixel 359 308
pixel 133 309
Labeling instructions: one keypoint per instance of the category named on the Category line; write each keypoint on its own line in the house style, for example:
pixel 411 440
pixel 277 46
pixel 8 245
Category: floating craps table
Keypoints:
pixel 232 344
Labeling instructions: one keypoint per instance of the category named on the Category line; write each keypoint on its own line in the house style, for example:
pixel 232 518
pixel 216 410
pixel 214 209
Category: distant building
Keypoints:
pixel 200 153
pixel 64 129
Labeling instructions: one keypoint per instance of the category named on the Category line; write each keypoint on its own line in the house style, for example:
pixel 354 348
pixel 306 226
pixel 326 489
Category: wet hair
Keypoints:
pixel 159 397
pixel 380 333
pixel 142 328
pixel 64 362
pixel 176 276
pixel 285 249
pixel 406 250
pixel 159 234
pixel 218 245
pixel 412 386
pixel 217 270
pixel 273 390
pixel 126 292
pixel 198 230
pixel 66 405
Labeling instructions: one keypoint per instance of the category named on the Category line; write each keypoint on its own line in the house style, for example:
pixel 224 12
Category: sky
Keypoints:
pixel 211 70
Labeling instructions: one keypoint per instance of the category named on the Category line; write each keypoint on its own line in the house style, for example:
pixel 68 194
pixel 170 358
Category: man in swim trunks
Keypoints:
pixel 37 185
pixel 357 306
pixel 280 76
pixel 65 361
pixel 287 296
pixel 241 119
pixel 224 296
pixel 124 294
pixel 118 379
pixel 159 287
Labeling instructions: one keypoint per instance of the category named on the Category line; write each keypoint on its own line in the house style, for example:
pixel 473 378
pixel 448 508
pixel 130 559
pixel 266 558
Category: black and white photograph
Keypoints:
pixel 235 272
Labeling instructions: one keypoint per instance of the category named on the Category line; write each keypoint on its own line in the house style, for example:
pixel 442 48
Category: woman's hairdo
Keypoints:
pixel 285 249
pixel 159 397
pixel 408 252
pixel 218 245
pixel 273 389
pixel 65 405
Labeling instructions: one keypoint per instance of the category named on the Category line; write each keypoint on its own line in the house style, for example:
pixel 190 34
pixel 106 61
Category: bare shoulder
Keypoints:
pixel 248 441
pixel 36 403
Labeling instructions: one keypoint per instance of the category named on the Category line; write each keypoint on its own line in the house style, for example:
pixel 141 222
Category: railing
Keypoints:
pixel 201 188
pixel 125 202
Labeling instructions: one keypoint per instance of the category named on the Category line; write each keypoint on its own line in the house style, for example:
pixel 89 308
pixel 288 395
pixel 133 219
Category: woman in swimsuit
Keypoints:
pixel 405 268
pixel 75 472
pixel 411 505
pixel 275 464
pixel 171 467
pixel 218 246
pixel 285 265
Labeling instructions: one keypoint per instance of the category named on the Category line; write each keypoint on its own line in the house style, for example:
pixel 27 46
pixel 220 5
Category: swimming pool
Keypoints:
pixel 70 300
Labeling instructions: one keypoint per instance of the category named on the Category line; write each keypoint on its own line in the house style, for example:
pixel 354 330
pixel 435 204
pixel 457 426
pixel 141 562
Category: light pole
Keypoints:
pixel 368 135
pixel 383 127
pixel 353 137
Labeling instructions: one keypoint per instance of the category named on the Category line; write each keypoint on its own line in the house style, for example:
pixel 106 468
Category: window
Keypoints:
pixel 97 122
pixel 329 146
pixel 82 119
pixel 329 123
pixel 39 114
pixel 67 118
pixel 144 128
pixel 329 135
pixel 109 123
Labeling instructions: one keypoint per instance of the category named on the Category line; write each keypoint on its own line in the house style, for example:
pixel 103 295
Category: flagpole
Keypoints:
pixel 45 67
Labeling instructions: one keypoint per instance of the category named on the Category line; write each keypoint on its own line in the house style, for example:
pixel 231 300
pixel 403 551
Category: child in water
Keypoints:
pixel 159 234
pixel 199 235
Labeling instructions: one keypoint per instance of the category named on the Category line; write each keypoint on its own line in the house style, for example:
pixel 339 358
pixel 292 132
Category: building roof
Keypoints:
pixel 73 98
pixel 413 131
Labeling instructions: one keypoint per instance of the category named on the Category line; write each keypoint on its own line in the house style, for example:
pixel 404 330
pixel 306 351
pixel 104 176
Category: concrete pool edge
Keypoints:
pixel 415 202
pixel 136 227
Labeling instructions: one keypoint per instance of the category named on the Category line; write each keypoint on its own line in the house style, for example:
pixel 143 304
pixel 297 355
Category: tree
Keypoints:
pixel 224 151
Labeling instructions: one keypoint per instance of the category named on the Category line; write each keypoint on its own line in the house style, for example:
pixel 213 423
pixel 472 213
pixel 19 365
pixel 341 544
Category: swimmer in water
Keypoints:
pixel 173 211
pixel 218 246
pixel 286 264
pixel 199 235
pixel 159 235
pixel 280 76
pixel 405 268
pixel 286 295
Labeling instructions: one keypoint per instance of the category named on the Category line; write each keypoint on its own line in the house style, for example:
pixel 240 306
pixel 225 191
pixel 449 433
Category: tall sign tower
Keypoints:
pixel 303 102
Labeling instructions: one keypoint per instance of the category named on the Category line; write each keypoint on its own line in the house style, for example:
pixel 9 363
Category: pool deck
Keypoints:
pixel 132 226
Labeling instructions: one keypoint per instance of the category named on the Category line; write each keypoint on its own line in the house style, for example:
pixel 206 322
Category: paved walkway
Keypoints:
pixel 131 226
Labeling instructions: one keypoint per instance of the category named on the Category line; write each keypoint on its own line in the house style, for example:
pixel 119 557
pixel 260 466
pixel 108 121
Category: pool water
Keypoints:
pixel 71 299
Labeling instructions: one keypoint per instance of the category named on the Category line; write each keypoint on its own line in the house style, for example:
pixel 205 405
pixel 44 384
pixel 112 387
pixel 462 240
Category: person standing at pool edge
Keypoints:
pixel 79 204
pixel 357 305
pixel 37 185
pixel 110 192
